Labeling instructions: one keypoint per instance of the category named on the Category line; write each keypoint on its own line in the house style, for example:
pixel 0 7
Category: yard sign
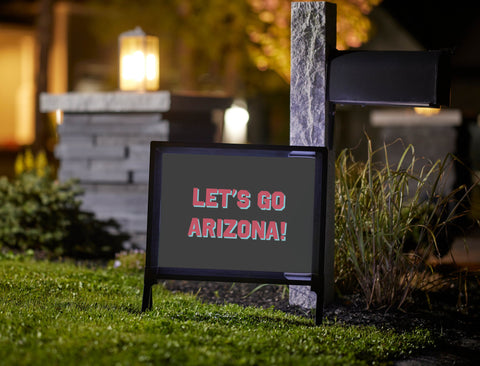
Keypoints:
pixel 235 213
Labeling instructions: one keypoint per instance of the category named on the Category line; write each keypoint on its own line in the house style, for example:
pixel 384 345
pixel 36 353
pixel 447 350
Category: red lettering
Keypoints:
pixel 258 230
pixel 283 226
pixel 196 202
pixel 211 199
pixel 233 229
pixel 272 231
pixel 264 200
pixel 208 228
pixel 278 201
pixel 243 199
pixel 219 228
pixel 244 229
pixel 195 228
pixel 231 225
pixel 225 193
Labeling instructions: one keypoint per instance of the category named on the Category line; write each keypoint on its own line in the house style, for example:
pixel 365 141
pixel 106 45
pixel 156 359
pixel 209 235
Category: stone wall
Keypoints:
pixel 109 154
pixel 104 143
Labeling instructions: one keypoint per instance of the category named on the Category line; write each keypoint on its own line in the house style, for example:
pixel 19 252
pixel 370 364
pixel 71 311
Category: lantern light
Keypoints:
pixel 139 61
pixel 236 120
pixel 427 111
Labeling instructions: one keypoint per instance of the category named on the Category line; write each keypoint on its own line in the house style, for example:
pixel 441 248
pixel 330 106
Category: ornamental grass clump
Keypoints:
pixel 389 219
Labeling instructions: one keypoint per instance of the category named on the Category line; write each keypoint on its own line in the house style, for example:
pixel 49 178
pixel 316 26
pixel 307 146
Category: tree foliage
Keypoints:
pixel 228 44
pixel 270 35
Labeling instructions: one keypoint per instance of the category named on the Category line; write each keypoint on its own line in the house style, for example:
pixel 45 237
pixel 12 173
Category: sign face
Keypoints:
pixel 239 210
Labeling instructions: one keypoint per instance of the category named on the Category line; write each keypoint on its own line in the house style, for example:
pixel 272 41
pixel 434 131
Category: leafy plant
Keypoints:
pixel 41 214
pixel 389 220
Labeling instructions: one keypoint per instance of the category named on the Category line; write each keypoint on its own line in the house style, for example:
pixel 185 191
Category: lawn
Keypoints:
pixel 62 313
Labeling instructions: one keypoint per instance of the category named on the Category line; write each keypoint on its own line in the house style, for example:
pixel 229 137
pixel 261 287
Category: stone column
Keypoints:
pixel 104 143
pixel 313 37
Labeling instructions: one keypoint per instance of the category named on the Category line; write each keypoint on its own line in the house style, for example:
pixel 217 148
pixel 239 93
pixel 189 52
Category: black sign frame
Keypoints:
pixel 154 272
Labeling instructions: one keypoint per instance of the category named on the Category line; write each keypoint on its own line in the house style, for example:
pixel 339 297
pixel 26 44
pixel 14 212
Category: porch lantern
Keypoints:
pixel 139 61
pixel 427 111
pixel 236 120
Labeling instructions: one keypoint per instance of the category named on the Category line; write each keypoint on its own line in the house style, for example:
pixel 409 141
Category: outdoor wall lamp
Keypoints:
pixel 236 120
pixel 427 111
pixel 139 61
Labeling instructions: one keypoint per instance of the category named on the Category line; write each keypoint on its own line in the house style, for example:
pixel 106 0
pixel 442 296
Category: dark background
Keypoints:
pixel 292 176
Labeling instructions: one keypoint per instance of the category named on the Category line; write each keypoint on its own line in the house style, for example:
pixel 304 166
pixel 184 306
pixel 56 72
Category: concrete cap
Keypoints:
pixel 106 102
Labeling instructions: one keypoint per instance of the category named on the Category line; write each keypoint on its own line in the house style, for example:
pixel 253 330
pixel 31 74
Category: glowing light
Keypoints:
pixel 151 67
pixel 133 66
pixel 139 62
pixel 59 116
pixel 426 111
pixel 236 121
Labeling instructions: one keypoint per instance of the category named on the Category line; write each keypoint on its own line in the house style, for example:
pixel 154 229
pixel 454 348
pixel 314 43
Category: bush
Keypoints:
pixel 389 220
pixel 41 214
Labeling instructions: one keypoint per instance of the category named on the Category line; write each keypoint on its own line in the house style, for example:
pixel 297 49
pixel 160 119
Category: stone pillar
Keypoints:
pixel 104 142
pixel 313 37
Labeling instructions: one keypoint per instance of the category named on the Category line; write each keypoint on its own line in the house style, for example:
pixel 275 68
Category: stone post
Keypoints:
pixel 104 142
pixel 313 38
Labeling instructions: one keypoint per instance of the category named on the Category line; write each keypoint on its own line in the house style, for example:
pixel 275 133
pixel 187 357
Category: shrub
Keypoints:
pixel 41 214
pixel 389 220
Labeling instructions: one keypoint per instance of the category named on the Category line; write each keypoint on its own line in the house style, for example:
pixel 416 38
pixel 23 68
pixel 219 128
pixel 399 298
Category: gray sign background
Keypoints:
pixel 295 177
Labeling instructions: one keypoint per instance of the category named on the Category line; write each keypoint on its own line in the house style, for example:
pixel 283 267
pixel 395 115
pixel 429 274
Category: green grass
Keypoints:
pixel 60 313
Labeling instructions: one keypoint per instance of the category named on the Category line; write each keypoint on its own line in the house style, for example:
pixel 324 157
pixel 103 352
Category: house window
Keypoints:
pixel 17 86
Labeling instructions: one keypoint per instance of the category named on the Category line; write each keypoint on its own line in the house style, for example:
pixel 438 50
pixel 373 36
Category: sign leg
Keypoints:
pixel 319 308
pixel 147 302
pixel 318 288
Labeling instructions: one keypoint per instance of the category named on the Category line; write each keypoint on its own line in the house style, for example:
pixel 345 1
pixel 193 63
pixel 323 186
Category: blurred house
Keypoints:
pixel 78 62
pixel 17 81
pixel 74 63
